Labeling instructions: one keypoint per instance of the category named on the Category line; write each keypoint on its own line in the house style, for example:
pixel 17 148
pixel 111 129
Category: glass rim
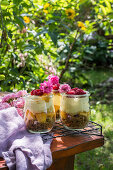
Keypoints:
pixel 32 97
pixel 82 95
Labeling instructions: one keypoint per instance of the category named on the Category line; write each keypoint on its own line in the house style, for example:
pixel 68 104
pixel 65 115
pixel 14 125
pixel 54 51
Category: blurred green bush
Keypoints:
pixel 63 37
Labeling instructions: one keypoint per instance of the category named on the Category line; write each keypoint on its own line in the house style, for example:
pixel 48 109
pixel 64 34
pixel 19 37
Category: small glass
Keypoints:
pixel 56 102
pixel 39 113
pixel 74 111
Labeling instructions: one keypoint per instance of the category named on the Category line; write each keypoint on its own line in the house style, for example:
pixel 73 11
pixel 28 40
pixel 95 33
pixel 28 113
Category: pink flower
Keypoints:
pixel 46 86
pixel 19 103
pixel 8 97
pixel 53 79
pixel 64 88
pixel 21 55
pixel 26 54
pixel 4 105
pixel 21 93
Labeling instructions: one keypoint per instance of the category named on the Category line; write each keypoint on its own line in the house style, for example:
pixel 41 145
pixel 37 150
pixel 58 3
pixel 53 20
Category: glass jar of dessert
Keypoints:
pixel 56 102
pixel 39 113
pixel 74 109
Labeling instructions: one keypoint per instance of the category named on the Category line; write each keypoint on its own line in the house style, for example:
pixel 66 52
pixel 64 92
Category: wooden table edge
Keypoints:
pixel 82 147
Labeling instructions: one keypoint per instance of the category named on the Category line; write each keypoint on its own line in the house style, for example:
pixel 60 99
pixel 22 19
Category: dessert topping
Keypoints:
pixel 79 92
pixel 71 92
pixel 37 92
pixel 56 86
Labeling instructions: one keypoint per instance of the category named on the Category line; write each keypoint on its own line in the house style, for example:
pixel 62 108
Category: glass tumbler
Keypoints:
pixel 74 111
pixel 56 102
pixel 39 114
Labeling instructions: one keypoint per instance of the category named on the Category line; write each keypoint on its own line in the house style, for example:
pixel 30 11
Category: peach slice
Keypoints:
pixel 41 117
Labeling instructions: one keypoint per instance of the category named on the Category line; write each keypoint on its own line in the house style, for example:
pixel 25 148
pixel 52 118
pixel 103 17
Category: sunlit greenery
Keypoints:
pixel 40 37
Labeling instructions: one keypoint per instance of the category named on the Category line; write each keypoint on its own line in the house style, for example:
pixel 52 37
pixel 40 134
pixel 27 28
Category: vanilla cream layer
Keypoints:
pixel 56 99
pixel 37 105
pixel 74 105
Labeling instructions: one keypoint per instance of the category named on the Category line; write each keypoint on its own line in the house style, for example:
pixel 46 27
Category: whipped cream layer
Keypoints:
pixel 37 104
pixel 74 105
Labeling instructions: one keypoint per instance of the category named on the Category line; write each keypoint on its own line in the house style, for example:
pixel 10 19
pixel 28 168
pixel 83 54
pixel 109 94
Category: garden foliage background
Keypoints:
pixel 63 37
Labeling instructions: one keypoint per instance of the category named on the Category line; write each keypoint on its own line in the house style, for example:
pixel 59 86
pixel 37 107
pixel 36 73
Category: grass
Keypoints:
pixel 100 158
pixel 99 75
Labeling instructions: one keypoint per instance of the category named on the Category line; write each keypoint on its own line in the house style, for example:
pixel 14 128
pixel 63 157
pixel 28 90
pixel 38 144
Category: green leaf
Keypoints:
pixel 42 32
pixel 110 15
pixel 19 20
pixel 10 34
pixel 103 9
pixel 66 27
pixel 2 77
pixel 16 2
pixel 89 52
pixel 14 55
pixel 29 47
pixel 50 21
pixel 108 4
pixel 4 3
pixel 53 36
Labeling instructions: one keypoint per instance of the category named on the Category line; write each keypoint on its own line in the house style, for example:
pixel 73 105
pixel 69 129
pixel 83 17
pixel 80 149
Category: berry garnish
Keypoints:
pixel 76 88
pixel 79 92
pixel 37 92
pixel 33 92
pixel 56 86
pixel 71 92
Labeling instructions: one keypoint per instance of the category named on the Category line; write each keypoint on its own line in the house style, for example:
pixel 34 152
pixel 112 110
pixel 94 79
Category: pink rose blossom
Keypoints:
pixel 46 86
pixel 53 79
pixel 19 103
pixel 21 93
pixel 64 88
pixel 8 97
pixel 4 105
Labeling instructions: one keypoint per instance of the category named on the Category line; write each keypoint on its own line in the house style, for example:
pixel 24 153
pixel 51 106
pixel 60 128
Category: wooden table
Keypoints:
pixel 65 148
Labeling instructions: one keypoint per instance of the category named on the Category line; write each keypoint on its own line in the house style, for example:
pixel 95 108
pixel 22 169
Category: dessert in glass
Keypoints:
pixel 39 111
pixel 74 109
pixel 56 101
pixel 56 95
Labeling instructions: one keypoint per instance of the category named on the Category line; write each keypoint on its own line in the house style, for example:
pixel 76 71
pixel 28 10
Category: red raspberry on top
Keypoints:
pixel 33 92
pixel 79 92
pixel 37 92
pixel 71 92
pixel 76 88
pixel 56 86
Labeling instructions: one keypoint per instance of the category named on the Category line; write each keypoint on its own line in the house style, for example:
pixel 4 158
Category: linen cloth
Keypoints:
pixel 22 150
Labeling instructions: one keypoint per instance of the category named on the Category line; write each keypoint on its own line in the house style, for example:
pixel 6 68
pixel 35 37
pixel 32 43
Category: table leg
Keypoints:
pixel 66 163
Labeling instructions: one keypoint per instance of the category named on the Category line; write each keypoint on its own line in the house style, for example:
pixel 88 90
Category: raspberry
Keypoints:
pixel 71 92
pixel 80 92
pixel 33 92
pixel 56 86
pixel 37 92
pixel 76 88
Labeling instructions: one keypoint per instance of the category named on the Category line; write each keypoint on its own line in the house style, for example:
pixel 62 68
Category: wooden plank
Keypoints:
pixel 67 146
